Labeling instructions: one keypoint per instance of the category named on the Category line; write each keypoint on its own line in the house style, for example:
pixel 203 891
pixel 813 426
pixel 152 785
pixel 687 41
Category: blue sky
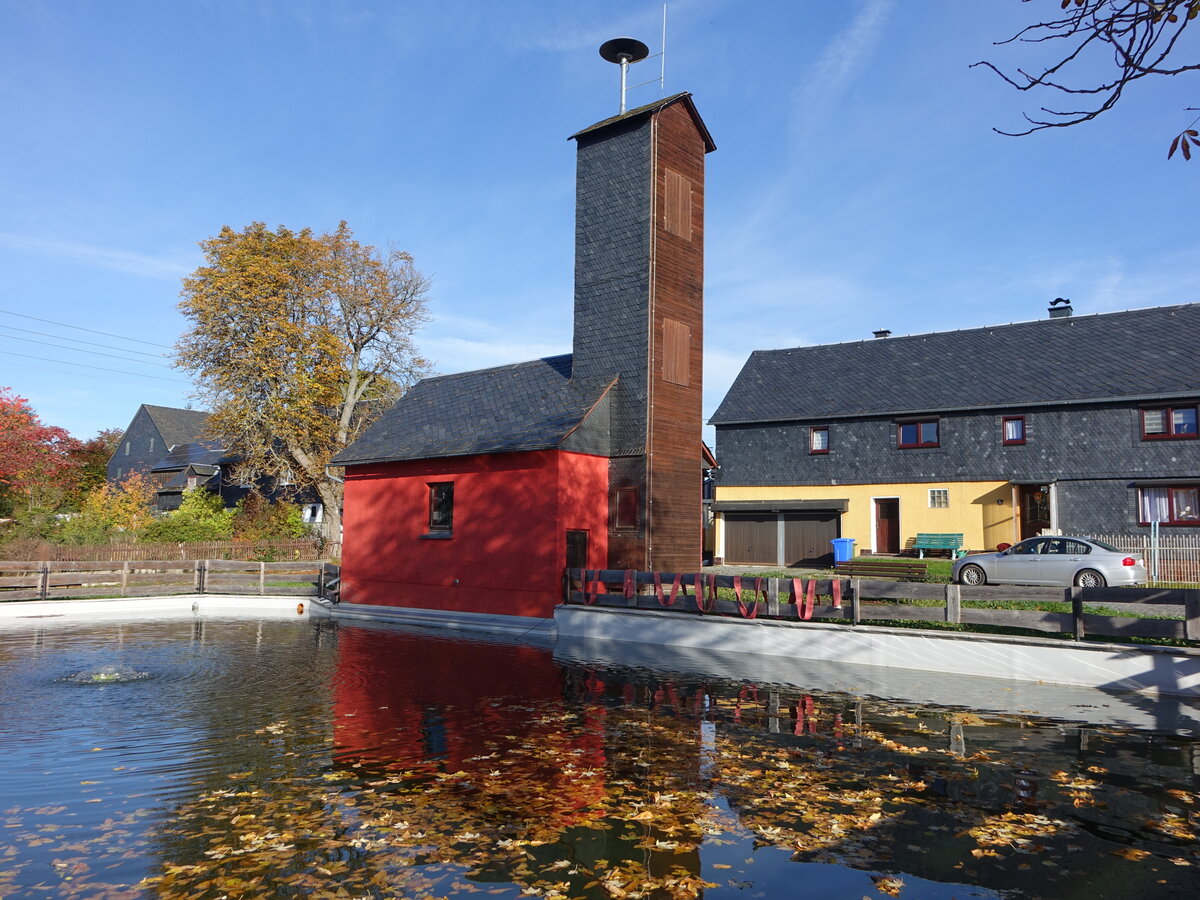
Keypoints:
pixel 857 182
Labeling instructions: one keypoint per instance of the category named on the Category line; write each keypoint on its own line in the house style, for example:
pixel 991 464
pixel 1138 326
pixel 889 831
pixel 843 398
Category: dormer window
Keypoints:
pixel 818 439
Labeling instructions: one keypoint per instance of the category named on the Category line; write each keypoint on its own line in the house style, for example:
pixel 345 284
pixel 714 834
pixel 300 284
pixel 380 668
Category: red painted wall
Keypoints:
pixel 508 549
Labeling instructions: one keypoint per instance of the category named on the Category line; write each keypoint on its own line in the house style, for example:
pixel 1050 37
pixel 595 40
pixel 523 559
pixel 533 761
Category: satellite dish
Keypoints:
pixel 624 50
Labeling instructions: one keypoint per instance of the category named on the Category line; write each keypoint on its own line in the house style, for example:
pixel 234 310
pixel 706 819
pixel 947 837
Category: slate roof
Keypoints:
pixel 683 96
pixel 525 406
pixel 1139 354
pixel 194 453
pixel 176 426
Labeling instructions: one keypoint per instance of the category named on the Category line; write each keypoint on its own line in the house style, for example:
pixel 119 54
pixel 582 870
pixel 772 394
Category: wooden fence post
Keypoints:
pixel 125 579
pixel 855 600
pixel 262 578
pixel 1191 614
pixel 1075 596
pixel 772 596
pixel 44 580
pixel 953 603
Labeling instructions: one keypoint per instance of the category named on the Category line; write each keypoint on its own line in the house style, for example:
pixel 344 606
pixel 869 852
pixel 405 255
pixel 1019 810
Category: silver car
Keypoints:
pixel 1053 560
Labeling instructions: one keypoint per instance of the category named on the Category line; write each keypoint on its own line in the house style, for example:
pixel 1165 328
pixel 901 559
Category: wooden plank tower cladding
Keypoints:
pixel 639 314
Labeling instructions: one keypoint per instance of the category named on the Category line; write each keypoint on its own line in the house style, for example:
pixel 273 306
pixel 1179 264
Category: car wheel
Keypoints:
pixel 972 574
pixel 1090 578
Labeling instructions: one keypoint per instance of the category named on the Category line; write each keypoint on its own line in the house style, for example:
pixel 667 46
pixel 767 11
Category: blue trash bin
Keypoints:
pixel 843 549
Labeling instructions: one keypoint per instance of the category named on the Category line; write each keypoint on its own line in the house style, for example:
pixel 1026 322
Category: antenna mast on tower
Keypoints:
pixel 624 51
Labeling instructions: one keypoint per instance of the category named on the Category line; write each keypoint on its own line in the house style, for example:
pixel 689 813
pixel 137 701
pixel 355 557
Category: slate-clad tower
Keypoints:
pixel 639 315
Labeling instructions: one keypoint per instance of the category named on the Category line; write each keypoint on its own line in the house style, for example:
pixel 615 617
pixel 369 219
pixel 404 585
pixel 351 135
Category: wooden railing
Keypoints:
pixel 272 550
pixel 53 580
pixel 863 602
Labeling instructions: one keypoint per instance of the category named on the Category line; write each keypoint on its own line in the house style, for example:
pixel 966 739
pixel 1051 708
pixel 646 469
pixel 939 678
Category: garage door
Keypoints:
pixel 751 538
pixel 806 539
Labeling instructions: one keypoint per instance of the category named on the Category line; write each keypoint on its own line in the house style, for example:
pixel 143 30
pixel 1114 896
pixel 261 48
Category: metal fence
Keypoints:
pixel 1170 558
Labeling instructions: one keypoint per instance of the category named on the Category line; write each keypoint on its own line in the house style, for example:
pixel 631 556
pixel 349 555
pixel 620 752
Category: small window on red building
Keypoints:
pixel 1012 429
pixel 1169 422
pixel 441 507
pixel 818 439
pixel 626 518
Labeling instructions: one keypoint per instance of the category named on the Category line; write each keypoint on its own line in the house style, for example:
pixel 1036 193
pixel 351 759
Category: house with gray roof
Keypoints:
pixel 1067 424
pixel 152 433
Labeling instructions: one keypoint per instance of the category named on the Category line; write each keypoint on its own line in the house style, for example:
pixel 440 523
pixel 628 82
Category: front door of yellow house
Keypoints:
pixel 887 525
pixel 1034 503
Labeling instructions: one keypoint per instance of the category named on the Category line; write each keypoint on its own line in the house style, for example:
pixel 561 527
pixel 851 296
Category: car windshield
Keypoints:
pixel 1104 546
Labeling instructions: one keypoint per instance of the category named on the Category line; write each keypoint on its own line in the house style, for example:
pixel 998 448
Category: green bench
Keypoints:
pixel 882 567
pixel 951 543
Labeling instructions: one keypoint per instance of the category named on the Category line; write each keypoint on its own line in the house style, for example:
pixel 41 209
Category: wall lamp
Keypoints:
pixel 999 501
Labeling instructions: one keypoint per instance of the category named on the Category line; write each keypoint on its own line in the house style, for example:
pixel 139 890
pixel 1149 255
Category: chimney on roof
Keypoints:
pixel 1060 308
pixel 882 333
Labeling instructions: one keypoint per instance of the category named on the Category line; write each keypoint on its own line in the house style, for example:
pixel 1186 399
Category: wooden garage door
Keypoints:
pixel 751 538
pixel 806 538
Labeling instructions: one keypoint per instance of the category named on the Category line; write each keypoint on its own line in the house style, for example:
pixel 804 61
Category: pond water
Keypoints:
pixel 241 758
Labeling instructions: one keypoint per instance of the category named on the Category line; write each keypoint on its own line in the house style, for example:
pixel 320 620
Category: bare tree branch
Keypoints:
pixel 1140 37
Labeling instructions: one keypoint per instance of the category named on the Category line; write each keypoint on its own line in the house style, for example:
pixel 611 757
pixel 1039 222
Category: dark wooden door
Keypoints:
pixel 807 539
pixel 887 526
pixel 752 538
pixel 577 549
pixel 1035 509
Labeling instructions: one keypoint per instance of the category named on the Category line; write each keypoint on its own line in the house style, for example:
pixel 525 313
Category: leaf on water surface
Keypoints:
pixel 1131 853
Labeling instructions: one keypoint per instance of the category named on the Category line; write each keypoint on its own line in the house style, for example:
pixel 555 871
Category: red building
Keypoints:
pixel 475 490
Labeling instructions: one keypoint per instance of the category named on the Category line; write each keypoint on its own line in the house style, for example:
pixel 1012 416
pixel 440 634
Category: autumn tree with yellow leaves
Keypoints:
pixel 298 341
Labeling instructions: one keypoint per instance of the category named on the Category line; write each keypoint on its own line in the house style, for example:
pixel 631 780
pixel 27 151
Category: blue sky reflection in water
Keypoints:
pixel 304 759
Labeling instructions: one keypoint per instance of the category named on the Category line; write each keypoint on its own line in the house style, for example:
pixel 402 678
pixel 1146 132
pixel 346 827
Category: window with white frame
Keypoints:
pixel 1169 505
pixel 939 498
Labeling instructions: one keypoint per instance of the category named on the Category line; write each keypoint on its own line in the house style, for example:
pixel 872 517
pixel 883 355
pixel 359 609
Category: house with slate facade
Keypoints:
pixel 1070 424
pixel 163 443
pixel 153 432
pixel 475 490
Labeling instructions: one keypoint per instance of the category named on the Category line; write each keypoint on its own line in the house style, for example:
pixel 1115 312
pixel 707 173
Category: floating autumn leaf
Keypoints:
pixel 887 884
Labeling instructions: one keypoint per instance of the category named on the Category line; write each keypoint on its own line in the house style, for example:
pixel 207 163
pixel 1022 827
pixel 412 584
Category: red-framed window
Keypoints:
pixel 1166 423
pixel 1012 430
pixel 441 507
pixel 918 433
pixel 1170 505
pixel 818 439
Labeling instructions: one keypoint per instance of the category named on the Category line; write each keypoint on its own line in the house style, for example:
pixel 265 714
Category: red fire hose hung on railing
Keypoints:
pixel 675 586
pixel 804 601
pixel 703 604
pixel 760 593
pixel 590 577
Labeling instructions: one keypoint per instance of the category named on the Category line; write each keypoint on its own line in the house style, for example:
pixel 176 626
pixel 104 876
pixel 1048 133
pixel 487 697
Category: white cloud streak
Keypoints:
pixel 837 68
pixel 102 257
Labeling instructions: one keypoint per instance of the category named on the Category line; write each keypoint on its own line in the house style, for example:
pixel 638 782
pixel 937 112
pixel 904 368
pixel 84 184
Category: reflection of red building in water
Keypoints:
pixel 425 705
pixel 475 489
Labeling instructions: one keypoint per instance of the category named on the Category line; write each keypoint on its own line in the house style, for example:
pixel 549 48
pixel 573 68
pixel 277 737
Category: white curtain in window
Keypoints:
pixel 1154 505
pixel 1014 429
